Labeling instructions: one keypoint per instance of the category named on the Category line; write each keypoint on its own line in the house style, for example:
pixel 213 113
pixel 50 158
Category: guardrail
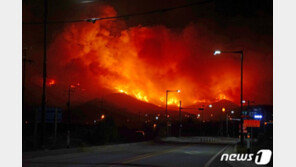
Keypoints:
pixel 213 140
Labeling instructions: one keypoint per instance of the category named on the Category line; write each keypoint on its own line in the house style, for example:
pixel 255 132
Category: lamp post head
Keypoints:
pixel 92 20
pixel 178 91
pixel 86 1
pixel 217 52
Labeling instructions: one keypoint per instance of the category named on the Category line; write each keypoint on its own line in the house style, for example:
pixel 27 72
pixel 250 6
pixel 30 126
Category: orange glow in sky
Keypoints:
pixel 145 61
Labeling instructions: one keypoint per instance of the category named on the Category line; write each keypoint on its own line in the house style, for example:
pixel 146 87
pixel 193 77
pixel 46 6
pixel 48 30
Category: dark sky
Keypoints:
pixel 187 35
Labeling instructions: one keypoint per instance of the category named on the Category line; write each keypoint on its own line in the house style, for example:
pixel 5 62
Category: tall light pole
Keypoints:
pixel 227 134
pixel 180 119
pixel 69 113
pixel 69 116
pixel 222 121
pixel 25 60
pixel 43 102
pixel 166 108
pixel 217 52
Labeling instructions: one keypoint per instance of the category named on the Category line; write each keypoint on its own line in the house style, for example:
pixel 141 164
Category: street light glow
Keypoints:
pixel 103 116
pixel 217 52
pixel 210 105
pixel 178 91
pixel 232 112
pixel 258 116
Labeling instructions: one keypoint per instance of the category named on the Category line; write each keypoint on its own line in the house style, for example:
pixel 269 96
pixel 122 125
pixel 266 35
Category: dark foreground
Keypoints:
pixel 140 154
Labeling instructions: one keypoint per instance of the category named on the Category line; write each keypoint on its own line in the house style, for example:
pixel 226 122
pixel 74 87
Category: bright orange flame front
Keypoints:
pixel 142 62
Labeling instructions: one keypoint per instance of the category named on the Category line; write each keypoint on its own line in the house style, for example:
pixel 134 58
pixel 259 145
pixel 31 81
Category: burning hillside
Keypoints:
pixel 144 62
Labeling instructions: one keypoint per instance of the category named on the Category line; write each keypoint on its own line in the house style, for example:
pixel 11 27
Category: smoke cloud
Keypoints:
pixel 145 61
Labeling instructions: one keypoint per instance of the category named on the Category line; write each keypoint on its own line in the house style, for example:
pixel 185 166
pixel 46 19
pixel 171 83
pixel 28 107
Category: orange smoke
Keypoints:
pixel 144 62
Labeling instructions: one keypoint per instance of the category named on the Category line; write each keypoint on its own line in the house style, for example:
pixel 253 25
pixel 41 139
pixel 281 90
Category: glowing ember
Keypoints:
pixel 51 82
pixel 75 85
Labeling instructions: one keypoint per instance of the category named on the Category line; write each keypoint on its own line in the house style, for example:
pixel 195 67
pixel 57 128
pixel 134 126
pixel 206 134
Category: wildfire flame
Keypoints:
pixel 143 62
pixel 51 82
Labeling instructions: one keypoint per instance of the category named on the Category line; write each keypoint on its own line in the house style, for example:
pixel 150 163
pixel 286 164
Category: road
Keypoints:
pixel 141 154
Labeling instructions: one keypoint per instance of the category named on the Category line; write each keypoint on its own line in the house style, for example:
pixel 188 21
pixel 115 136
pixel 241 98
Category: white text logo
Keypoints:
pixel 261 158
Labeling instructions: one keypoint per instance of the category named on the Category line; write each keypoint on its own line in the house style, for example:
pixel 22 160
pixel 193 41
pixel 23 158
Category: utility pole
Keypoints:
pixel 166 113
pixel 202 123
pixel 180 119
pixel 102 106
pixel 249 104
pixel 241 100
pixel 69 117
pixel 227 134
pixel 43 104
pixel 166 108
pixel 202 112
pixel 202 119
pixel 221 125
pixel 248 111
pixel 26 60
pixel 36 129
pixel 55 125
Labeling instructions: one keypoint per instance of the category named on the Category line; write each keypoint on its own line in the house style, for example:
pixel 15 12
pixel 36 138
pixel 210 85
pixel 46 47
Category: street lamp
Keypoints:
pixel 166 106
pixel 70 87
pixel 218 52
pixel 102 117
pixel 86 1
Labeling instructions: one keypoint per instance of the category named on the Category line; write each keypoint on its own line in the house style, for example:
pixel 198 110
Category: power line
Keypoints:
pixel 93 20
